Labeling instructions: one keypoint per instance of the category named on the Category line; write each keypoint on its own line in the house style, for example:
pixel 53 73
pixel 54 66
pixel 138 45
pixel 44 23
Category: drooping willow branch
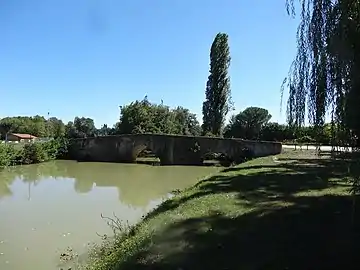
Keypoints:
pixel 324 76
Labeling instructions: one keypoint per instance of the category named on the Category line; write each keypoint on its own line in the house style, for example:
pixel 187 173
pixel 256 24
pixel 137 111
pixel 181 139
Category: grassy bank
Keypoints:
pixel 35 152
pixel 292 212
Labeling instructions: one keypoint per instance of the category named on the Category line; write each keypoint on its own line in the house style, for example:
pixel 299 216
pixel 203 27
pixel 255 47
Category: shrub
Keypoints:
pixel 62 147
pixel 51 148
pixel 305 139
pixel 9 155
pixel 209 134
pixel 34 152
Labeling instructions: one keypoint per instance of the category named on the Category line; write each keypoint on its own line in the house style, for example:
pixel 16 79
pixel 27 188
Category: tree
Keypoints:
pixel 273 132
pixel 146 117
pixel 56 127
pixel 5 128
pixel 217 103
pixel 70 131
pixel 38 126
pixel 104 130
pixel 186 122
pixel 325 72
pixel 84 127
pixel 248 123
pixel 81 127
pixel 34 125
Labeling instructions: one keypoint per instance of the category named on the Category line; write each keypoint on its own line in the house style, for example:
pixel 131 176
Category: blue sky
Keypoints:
pixel 87 57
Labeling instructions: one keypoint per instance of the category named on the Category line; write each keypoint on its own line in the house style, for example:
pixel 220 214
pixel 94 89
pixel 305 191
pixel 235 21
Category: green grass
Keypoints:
pixel 293 212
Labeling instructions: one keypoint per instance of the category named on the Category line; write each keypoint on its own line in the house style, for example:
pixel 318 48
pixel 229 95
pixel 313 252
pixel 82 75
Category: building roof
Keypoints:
pixel 24 136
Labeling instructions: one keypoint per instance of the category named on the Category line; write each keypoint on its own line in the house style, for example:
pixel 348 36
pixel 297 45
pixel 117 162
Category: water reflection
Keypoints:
pixel 48 207
pixel 4 188
pixel 136 184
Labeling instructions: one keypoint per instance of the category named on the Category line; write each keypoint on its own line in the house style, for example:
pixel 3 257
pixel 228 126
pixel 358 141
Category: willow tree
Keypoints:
pixel 325 74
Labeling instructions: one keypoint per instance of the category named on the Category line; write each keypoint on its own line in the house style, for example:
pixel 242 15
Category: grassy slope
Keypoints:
pixel 290 213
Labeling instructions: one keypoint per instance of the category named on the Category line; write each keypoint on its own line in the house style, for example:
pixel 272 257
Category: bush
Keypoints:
pixel 30 153
pixel 9 155
pixel 305 139
pixel 34 153
pixel 209 134
pixel 62 147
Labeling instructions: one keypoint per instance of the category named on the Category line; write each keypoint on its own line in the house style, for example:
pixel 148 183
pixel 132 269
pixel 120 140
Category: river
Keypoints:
pixel 49 207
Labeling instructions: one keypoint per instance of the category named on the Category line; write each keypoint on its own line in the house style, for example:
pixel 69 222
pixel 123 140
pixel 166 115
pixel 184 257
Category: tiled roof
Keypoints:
pixel 24 136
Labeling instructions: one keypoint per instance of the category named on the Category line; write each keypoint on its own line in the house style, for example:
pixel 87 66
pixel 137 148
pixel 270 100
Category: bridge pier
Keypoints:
pixel 125 151
pixel 179 160
pixel 169 158
pixel 167 154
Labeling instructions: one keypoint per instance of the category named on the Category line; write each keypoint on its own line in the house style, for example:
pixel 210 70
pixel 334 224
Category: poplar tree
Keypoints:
pixel 217 103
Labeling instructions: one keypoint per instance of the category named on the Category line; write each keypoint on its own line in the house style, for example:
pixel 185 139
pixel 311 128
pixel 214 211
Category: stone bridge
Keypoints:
pixel 171 149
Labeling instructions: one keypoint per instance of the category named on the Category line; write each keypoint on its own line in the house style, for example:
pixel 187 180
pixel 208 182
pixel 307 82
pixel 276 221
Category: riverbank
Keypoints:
pixel 289 212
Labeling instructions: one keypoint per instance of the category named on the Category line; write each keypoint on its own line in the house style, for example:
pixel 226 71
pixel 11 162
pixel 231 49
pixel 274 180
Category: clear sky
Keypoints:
pixel 87 57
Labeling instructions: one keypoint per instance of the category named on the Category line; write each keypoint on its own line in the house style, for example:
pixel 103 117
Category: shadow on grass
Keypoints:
pixel 305 232
pixel 261 181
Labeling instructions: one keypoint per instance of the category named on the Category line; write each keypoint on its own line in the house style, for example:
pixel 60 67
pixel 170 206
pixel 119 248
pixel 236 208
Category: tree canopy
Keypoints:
pixel 248 123
pixel 81 127
pixel 142 116
pixel 34 125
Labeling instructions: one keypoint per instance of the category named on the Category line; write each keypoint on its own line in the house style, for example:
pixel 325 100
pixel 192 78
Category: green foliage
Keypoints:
pixel 146 117
pixel 252 123
pixel 104 131
pixel 186 122
pixel 325 72
pixel 5 128
pixel 53 127
pixel 34 153
pixel 9 155
pixel 276 132
pixel 81 127
pixel 35 125
pixel 84 126
pixel 30 153
pixel 70 131
pixel 38 126
pixel 56 128
pixel 248 123
pixel 55 148
pixel 209 134
pixel 218 94
pixel 305 139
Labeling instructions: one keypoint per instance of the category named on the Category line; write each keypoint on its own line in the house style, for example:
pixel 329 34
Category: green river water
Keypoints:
pixel 49 207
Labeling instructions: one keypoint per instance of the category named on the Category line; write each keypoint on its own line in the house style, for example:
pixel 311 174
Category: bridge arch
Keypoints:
pixel 232 152
pixel 143 153
pixel 211 158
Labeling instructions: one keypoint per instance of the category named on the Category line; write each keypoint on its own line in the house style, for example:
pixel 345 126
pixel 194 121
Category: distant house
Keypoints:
pixel 18 137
